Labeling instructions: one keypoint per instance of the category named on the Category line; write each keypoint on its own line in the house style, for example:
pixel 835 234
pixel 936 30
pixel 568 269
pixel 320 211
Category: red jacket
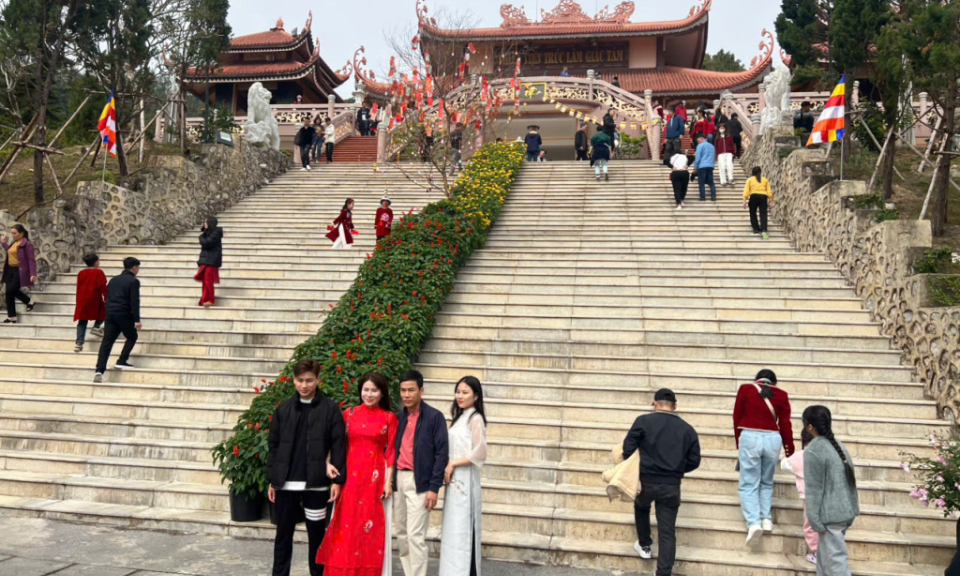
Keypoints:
pixel 91 295
pixel 384 220
pixel 750 411
pixel 705 127
pixel 345 218
pixel 724 145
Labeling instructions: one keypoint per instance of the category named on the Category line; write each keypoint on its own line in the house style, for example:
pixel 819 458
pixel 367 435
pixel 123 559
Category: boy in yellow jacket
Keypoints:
pixel 758 194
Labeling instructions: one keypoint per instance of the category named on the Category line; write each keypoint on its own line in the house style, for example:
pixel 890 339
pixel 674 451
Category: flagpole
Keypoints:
pixel 841 159
pixel 107 153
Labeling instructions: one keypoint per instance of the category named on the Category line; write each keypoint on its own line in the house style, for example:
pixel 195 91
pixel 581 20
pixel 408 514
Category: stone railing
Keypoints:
pixel 172 195
pixel 818 214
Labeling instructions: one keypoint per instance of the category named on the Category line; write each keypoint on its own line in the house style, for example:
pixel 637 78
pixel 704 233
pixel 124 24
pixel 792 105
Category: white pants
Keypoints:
pixel 341 243
pixel 413 519
pixel 725 164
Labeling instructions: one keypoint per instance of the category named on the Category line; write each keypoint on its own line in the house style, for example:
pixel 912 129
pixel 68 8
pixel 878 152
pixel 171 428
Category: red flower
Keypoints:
pixel 423 298
pixel 270 418
pixel 255 389
pixel 342 403
pixel 421 273
pixel 333 354
pixel 264 381
pixel 236 451
pixel 380 363
pixel 414 293
pixel 258 426
pixel 339 370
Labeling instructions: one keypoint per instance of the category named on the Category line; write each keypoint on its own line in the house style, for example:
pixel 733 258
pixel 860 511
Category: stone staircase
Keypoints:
pixel 354 149
pixel 135 450
pixel 589 296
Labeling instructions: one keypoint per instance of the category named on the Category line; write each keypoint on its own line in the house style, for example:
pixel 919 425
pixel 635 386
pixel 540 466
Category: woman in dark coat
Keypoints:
pixel 211 258
pixel 342 231
pixel 19 270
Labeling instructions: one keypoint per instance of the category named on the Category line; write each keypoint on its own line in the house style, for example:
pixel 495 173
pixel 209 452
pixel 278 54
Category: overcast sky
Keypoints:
pixel 341 27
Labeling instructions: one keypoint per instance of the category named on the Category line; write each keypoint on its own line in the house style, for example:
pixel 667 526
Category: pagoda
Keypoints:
pixel 664 57
pixel 287 64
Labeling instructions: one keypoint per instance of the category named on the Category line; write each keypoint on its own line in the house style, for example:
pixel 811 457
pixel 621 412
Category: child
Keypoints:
pixel 307 441
pixel 384 219
pixel 342 231
pixel 91 300
pixel 794 465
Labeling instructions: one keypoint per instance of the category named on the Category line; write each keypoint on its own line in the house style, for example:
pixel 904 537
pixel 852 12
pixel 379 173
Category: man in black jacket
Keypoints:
pixel 736 130
pixel 363 119
pixel 304 431
pixel 304 141
pixel 580 142
pixel 421 457
pixel 669 448
pixel 123 317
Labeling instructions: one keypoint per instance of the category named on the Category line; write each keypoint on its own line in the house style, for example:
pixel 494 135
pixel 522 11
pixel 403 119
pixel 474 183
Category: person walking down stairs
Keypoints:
pixel 211 259
pixel 580 143
pixel 304 141
pixel 123 317
pixel 758 197
pixel 91 299
pixel 329 137
pixel 831 490
pixel 342 231
pixel 19 270
pixel 669 448
pixel 725 150
pixel 602 144
pixel 761 424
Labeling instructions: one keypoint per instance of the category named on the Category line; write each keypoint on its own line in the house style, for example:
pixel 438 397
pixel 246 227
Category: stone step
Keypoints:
pixel 124 430
pixel 23 333
pixel 130 408
pixel 551 301
pixel 171 377
pixel 507 546
pixel 146 361
pixel 191 323
pixel 151 309
pixel 204 349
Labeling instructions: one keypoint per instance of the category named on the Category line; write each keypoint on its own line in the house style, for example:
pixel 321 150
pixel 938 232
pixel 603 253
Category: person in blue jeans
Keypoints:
pixel 761 425
pixel 704 162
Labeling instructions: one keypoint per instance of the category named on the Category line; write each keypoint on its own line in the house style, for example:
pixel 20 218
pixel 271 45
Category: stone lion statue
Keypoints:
pixel 261 125
pixel 777 90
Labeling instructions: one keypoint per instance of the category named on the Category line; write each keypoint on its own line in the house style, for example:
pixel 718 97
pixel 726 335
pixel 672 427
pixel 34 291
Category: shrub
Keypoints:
pixel 945 290
pixel 934 261
pixel 386 316
pixel 939 477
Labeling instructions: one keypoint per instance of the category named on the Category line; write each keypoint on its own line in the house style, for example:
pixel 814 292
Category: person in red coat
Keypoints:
pixel 342 231
pixel 91 300
pixel 704 126
pixel 725 150
pixel 384 218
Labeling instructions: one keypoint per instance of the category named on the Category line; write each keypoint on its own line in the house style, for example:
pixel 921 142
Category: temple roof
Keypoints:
pixel 568 20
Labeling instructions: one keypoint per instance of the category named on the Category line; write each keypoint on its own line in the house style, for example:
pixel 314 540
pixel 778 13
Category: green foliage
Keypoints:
pixel 873 116
pixel 722 61
pixel 785 151
pixel 934 261
pixel 630 147
pixel 853 31
pixel 868 202
pixel 885 214
pixel 944 290
pixel 802 33
pixel 220 120
pixel 383 320
pixel 939 477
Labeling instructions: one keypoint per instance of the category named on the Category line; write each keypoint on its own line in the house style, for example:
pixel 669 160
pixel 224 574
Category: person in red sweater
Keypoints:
pixel 761 424
pixel 725 151
pixel 91 300
pixel 704 126
pixel 384 218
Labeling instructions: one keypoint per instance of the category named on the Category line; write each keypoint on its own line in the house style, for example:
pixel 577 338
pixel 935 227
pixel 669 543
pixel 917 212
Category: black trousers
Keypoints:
pixel 667 499
pixel 581 154
pixel 305 155
pixel 12 281
pixel 758 203
pixel 364 127
pixel 738 144
pixel 290 505
pixel 681 181
pixel 113 327
pixel 329 146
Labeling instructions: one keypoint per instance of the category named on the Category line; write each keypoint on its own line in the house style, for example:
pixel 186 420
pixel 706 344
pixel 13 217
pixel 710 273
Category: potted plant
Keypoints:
pixel 939 484
pixel 241 460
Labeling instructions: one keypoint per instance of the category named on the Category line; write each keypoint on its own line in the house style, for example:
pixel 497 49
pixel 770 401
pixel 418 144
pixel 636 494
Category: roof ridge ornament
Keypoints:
pixel 766 50
pixel 620 15
pixel 568 12
pixel 279 25
pixel 513 16
pixel 696 10
pixel 306 27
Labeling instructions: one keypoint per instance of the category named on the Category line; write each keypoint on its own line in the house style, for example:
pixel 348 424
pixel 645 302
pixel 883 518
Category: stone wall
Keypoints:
pixel 817 212
pixel 171 195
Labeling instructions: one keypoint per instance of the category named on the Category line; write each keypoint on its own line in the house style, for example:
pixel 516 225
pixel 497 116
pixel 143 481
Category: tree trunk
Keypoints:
pixel 941 188
pixel 847 109
pixel 892 116
pixel 39 139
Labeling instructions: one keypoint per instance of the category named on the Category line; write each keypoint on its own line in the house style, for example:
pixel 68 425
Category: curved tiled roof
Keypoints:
pixel 271 38
pixel 698 17
pixel 672 80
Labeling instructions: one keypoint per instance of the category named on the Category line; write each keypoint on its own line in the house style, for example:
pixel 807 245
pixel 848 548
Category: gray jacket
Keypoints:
pixel 830 499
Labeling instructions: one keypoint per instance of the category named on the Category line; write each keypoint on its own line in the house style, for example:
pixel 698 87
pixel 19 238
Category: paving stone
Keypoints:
pixel 30 567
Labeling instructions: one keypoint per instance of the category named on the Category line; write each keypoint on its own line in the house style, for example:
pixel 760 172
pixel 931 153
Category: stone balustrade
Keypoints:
pixel 817 213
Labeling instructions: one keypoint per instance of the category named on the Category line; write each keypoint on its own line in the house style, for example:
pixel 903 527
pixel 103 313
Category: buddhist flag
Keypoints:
pixel 830 125
pixel 108 126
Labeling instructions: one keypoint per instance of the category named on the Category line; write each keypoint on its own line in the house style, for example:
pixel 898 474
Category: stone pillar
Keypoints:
pixel 331 99
pixel 727 98
pixel 855 97
pixel 591 78
pixel 382 142
pixel 762 100
pixel 653 128
pixel 755 120
pixel 716 104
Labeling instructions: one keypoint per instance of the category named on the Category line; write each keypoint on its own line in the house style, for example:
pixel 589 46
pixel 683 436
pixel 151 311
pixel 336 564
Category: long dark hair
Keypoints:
pixel 211 225
pixel 381 383
pixel 820 418
pixel 346 205
pixel 19 228
pixel 767 380
pixel 474 383
pixel 756 172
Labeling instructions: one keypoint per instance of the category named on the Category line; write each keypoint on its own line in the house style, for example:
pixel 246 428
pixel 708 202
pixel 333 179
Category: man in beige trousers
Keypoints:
pixel 422 455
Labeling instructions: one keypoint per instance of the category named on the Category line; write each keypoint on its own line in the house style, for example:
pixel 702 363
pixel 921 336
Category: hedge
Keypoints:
pixel 382 322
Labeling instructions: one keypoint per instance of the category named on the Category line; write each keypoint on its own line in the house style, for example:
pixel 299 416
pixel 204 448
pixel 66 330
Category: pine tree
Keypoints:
pixel 722 61
pixel 802 31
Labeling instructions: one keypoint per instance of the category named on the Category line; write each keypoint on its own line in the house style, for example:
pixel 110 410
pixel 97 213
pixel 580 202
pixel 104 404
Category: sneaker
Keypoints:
pixel 754 532
pixel 303 169
pixel 678 207
pixel 765 236
pixel 97 378
pixel 124 366
pixel 97 332
pixel 308 168
pixel 755 233
pixel 645 552
pixel 767 525
pixel 606 177
pixel 78 348
pixel 598 177
pixel 812 558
